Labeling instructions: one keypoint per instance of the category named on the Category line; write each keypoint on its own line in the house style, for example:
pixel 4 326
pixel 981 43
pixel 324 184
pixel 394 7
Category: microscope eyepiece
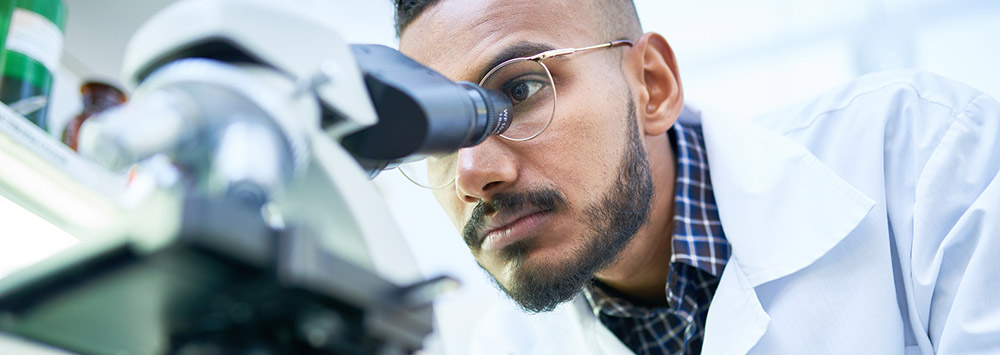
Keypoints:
pixel 421 112
pixel 492 112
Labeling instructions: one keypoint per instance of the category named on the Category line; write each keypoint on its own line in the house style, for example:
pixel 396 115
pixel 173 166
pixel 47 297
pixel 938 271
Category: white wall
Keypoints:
pixel 746 58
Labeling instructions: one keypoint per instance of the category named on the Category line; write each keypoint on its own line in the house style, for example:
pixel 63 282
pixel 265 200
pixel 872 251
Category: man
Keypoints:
pixel 862 222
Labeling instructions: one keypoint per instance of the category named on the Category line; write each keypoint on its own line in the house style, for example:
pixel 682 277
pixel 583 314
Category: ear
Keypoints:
pixel 656 84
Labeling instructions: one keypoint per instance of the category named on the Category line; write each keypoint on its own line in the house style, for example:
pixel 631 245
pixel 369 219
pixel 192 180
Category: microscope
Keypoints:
pixel 251 224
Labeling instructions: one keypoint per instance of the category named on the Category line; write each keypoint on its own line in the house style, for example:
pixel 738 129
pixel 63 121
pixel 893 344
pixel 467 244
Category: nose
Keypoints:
pixel 485 170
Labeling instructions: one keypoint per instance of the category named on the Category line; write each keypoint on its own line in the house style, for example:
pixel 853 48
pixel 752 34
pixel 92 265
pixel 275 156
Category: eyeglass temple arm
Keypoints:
pixel 568 51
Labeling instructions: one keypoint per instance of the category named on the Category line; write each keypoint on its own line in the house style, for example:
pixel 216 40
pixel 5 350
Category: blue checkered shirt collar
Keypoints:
pixel 698 255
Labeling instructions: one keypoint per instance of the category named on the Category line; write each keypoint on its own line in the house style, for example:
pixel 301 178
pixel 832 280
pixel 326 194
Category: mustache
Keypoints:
pixel 544 199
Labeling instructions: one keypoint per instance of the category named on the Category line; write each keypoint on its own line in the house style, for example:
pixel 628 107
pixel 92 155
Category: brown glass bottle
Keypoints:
pixel 97 97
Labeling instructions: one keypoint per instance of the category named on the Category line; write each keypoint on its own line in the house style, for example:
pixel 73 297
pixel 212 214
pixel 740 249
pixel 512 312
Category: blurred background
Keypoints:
pixel 739 58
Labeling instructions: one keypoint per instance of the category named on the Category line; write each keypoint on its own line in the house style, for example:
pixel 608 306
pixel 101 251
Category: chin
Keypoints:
pixel 542 282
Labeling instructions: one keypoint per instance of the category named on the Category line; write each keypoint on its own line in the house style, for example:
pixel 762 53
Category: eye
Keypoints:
pixel 521 90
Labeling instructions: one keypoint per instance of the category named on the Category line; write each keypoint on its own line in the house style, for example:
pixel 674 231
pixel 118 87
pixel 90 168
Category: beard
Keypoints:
pixel 611 223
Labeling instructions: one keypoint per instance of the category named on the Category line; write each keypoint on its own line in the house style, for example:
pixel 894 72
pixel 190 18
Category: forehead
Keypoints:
pixel 462 38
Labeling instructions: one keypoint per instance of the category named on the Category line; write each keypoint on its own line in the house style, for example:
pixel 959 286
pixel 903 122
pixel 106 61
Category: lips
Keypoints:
pixel 516 215
pixel 507 228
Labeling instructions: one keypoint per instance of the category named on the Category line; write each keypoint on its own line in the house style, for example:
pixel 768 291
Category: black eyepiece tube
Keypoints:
pixel 420 112
pixel 493 105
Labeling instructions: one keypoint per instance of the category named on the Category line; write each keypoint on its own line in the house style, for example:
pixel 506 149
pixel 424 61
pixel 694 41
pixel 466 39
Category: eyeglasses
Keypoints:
pixel 528 83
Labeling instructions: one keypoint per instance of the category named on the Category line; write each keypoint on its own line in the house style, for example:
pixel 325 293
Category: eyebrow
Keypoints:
pixel 518 50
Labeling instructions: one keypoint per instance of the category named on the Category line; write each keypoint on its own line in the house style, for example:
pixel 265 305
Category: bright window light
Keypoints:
pixel 26 238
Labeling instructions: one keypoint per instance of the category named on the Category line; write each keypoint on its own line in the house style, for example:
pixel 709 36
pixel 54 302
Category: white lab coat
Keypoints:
pixel 866 221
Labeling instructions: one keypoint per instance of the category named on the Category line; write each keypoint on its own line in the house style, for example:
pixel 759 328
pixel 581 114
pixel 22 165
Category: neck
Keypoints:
pixel 641 270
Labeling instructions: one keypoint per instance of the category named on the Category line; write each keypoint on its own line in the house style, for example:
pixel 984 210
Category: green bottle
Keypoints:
pixel 6 9
pixel 32 48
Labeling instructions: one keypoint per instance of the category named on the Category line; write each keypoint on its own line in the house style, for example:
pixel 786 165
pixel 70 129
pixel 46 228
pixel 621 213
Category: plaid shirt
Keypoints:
pixel 699 253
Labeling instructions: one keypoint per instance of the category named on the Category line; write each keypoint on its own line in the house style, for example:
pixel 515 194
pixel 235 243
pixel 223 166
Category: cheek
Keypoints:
pixel 583 146
pixel 591 111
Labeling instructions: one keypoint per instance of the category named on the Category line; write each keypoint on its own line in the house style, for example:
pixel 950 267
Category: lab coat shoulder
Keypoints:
pixel 926 152
pixel 954 250
pixel 869 95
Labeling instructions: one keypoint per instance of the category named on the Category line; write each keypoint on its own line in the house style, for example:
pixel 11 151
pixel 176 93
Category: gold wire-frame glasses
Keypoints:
pixel 533 108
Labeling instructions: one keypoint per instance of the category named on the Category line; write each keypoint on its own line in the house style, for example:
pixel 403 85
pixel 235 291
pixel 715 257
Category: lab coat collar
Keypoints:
pixel 781 210
pixel 781 207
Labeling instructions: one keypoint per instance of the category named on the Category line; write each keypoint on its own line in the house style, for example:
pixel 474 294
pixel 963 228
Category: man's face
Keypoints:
pixel 541 216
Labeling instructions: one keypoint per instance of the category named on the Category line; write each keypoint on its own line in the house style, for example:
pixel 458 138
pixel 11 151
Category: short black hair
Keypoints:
pixel 619 18
pixel 407 11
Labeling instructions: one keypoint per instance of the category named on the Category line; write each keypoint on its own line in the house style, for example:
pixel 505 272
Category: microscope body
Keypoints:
pixel 269 235
pixel 250 100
